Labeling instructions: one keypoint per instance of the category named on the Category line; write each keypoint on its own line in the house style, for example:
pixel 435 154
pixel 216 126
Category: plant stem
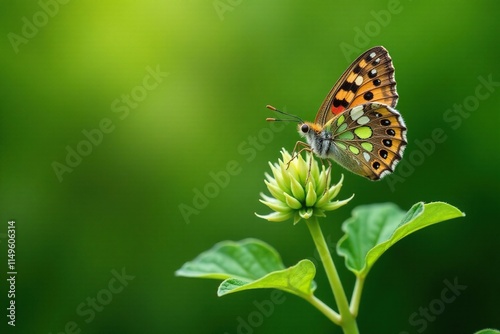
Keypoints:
pixel 356 296
pixel 325 309
pixel 348 321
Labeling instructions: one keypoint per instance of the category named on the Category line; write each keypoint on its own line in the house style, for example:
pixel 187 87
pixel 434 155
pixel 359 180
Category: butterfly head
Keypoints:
pixel 318 137
pixel 309 130
pixel 312 132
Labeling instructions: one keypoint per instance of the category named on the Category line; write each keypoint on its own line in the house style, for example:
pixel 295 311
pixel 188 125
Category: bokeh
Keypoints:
pixel 133 137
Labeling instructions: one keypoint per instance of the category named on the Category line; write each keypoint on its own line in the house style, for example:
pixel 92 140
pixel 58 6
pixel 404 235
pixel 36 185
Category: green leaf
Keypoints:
pixel 373 229
pixel 488 331
pixel 297 279
pixel 250 264
pixel 245 259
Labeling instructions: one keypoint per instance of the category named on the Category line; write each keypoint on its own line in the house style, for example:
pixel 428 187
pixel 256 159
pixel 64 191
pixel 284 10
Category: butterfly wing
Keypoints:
pixel 370 78
pixel 368 139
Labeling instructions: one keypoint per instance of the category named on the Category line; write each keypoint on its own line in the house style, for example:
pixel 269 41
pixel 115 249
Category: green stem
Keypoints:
pixel 347 320
pixel 325 309
pixel 356 296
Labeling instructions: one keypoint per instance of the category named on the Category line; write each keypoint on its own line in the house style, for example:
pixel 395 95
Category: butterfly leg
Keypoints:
pixel 295 152
pixel 311 157
pixel 328 170
pixel 327 174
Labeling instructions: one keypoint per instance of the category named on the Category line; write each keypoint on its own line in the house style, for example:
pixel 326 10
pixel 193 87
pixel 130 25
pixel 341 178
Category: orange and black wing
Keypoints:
pixel 370 78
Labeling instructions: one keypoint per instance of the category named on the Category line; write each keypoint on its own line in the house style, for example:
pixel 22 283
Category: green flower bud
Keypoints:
pixel 300 189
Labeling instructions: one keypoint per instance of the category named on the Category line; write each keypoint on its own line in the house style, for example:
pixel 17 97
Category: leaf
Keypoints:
pixel 245 259
pixel 250 264
pixel 368 226
pixel 488 331
pixel 373 229
pixel 297 279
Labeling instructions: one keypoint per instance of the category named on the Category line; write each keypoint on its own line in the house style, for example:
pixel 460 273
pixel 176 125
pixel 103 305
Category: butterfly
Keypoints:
pixel 356 125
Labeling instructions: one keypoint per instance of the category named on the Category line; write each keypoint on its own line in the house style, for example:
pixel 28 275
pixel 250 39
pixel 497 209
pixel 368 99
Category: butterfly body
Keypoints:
pixel 357 125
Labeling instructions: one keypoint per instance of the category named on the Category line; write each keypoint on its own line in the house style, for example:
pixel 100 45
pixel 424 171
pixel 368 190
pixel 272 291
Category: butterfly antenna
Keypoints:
pixel 272 119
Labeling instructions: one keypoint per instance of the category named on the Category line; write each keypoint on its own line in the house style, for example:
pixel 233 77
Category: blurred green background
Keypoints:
pixel 77 70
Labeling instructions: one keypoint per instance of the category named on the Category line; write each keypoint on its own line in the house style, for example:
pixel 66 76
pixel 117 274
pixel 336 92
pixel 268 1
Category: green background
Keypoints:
pixel 119 207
